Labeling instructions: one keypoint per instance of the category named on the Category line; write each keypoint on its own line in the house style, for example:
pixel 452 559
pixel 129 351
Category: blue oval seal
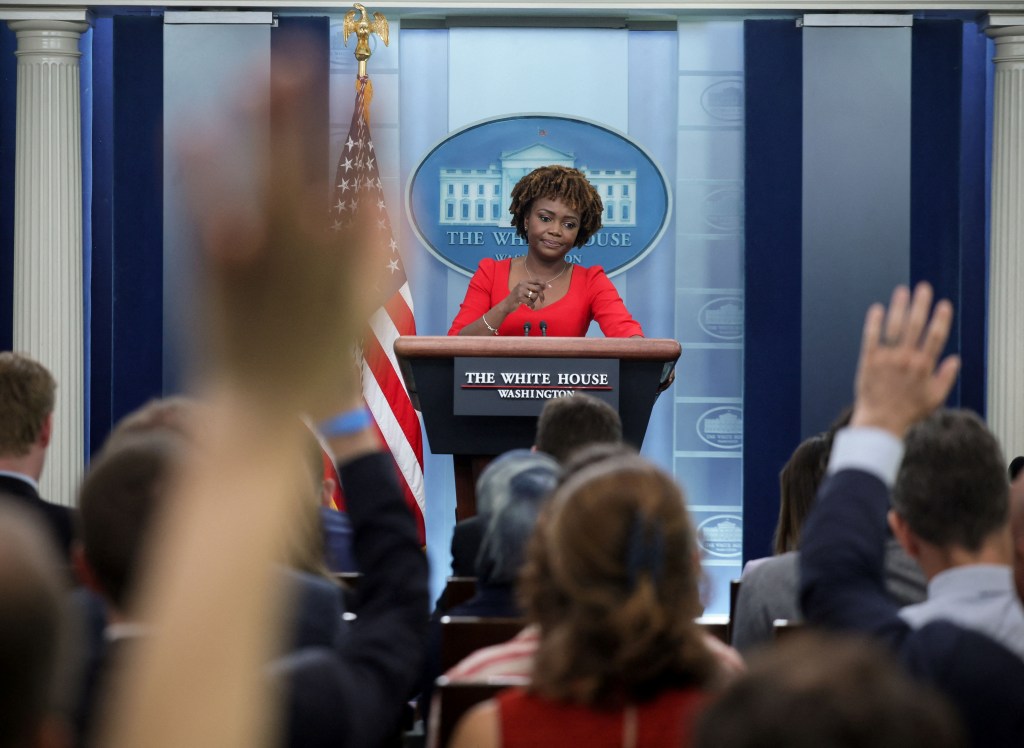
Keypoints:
pixel 721 535
pixel 722 318
pixel 458 195
pixel 721 427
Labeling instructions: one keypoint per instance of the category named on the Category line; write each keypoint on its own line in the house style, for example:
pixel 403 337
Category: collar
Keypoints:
pixel 22 477
pixel 973 580
pixel 124 630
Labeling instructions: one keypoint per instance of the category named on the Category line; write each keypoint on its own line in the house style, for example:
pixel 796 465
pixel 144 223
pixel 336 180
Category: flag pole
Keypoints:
pixel 358 190
pixel 357 19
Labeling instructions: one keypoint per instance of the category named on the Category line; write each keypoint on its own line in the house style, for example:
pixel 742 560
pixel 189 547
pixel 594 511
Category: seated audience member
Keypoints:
pixel 769 589
pixel 120 501
pixel 34 634
pixel 564 425
pixel 528 479
pixel 567 423
pixel 492 488
pixel 318 606
pixel 337 529
pixel 611 584
pixel 798 483
pixel 1016 467
pixel 509 527
pixel 951 511
pixel 27 397
pixel 286 301
pixel 1017 527
pixel 176 414
pixel 949 500
pixel 817 690
pixel 515 657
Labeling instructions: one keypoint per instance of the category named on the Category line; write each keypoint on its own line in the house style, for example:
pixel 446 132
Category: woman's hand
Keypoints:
pixel 526 292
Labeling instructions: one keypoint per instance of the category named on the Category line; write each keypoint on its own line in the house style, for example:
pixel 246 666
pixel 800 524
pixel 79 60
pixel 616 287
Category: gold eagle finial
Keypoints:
pixel 363 27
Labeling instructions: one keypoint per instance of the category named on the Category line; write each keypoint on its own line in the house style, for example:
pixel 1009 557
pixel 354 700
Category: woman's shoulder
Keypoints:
pixel 490 267
pixel 595 275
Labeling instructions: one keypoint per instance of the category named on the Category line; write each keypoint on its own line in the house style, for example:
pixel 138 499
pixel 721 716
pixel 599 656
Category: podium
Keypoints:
pixel 429 366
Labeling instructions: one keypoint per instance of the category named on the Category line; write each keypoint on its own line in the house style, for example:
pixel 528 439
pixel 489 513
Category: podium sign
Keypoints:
pixel 436 368
pixel 489 386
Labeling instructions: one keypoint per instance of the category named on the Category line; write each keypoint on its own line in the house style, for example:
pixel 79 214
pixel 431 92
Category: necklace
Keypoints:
pixel 547 283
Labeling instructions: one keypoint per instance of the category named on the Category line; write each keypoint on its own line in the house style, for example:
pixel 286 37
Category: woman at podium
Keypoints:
pixel 555 209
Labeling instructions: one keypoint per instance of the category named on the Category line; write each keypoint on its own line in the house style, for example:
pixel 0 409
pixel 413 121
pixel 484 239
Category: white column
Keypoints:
pixel 1005 406
pixel 48 293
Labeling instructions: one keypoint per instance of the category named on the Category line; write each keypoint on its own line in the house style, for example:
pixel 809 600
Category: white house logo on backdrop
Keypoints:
pixel 724 100
pixel 722 318
pixel 721 427
pixel 723 209
pixel 721 535
pixel 458 196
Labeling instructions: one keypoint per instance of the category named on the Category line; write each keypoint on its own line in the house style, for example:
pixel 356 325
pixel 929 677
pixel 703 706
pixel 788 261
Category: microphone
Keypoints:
pixel 543 328
pixel 526 329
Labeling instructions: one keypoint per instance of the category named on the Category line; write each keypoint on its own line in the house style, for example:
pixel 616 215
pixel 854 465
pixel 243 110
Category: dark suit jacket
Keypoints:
pixel 466 539
pixel 355 693
pixel 59 519
pixel 841 567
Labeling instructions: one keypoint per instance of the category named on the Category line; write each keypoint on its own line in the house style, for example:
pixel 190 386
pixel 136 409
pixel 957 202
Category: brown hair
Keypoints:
pixel 558 183
pixel 177 414
pixel 611 579
pixel 817 689
pixel 798 485
pixel 34 626
pixel 952 487
pixel 120 501
pixel 27 395
pixel 567 423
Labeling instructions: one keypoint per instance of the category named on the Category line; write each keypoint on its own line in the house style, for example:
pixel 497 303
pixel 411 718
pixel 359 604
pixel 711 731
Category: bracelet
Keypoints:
pixel 347 423
pixel 488 324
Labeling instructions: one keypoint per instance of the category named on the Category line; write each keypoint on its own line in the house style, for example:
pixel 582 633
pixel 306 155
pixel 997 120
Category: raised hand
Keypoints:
pixel 897 380
pixel 287 296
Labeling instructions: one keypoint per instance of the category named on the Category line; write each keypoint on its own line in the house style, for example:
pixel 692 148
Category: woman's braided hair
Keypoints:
pixel 558 183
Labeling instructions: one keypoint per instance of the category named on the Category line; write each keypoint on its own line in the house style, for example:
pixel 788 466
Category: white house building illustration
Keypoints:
pixel 481 196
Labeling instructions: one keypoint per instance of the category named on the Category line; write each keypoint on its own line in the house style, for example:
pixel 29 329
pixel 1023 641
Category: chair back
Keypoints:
pixel 457 591
pixel 783 629
pixel 734 594
pixel 455 698
pixel 463 635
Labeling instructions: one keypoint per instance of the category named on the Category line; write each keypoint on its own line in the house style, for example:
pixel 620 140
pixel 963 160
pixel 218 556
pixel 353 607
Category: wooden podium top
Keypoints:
pixel 434 346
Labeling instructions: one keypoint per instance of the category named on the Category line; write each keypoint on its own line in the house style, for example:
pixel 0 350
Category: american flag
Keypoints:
pixel 358 188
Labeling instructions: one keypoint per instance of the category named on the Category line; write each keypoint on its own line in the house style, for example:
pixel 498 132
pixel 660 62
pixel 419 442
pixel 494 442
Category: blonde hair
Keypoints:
pixel 27 396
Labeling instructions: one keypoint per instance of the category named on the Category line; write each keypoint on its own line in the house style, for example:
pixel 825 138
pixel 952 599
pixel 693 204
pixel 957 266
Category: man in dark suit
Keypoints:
pixel 950 511
pixel 27 396
pixel 33 634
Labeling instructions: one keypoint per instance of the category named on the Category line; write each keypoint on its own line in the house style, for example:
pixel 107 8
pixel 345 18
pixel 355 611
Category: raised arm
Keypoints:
pixel 898 383
pixel 283 301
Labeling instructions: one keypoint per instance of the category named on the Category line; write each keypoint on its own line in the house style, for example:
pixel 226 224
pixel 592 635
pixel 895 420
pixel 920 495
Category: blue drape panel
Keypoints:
pixel 773 255
pixel 8 96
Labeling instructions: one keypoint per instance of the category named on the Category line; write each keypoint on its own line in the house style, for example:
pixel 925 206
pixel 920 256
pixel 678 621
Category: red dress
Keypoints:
pixel 535 722
pixel 590 296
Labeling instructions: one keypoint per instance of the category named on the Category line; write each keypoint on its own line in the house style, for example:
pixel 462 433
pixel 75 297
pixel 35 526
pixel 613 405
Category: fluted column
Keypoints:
pixel 1006 270
pixel 48 316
